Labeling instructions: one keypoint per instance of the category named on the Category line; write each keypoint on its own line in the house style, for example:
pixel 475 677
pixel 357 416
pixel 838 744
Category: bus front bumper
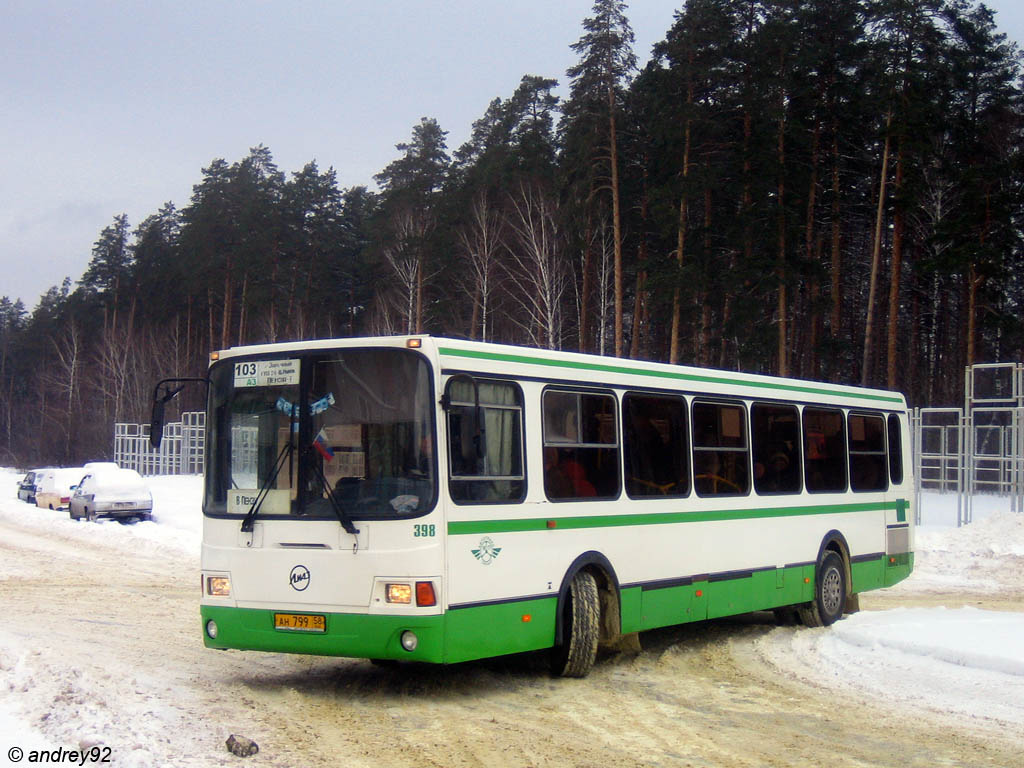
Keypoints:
pixel 360 636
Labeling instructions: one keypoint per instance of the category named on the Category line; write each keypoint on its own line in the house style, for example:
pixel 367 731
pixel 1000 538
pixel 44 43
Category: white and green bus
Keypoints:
pixel 441 500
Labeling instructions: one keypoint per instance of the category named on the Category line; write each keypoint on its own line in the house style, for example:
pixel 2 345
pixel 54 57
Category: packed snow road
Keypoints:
pixel 100 647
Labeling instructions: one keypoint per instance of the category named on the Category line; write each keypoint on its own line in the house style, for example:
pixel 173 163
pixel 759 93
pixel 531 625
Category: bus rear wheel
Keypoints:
pixel 829 593
pixel 581 628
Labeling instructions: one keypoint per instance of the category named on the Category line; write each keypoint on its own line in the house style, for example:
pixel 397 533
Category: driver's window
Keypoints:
pixel 485 455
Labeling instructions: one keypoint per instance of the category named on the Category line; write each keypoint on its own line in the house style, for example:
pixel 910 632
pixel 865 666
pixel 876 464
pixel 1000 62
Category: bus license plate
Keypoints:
pixel 300 622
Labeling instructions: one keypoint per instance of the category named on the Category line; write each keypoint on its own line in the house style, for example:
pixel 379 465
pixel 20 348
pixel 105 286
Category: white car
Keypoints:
pixel 27 486
pixel 111 492
pixel 53 486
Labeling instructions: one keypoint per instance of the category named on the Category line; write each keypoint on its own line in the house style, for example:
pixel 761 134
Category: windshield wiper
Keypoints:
pixel 282 457
pixel 339 512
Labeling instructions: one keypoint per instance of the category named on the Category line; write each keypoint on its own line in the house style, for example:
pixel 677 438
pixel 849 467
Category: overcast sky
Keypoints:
pixel 115 107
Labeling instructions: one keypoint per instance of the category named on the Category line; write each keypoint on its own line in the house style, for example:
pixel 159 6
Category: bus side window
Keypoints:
pixel 895 450
pixel 867 453
pixel 824 450
pixel 720 454
pixel 581 447
pixel 655 445
pixel 497 475
pixel 775 434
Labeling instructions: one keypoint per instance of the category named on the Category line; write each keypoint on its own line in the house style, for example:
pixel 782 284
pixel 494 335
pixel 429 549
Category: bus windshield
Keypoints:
pixel 351 428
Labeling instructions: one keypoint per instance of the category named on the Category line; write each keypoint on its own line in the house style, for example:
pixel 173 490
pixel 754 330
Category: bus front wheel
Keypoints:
pixel 829 593
pixel 581 628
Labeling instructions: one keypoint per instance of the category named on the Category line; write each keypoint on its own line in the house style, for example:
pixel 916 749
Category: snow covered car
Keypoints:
pixel 111 492
pixel 53 486
pixel 27 486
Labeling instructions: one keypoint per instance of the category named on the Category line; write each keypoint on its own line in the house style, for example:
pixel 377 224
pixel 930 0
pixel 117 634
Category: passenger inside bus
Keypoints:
pixel 564 477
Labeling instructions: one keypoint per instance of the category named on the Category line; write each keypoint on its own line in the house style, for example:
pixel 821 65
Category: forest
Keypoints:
pixel 826 189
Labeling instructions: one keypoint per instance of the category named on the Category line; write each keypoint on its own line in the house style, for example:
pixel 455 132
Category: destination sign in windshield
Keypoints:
pixel 267 373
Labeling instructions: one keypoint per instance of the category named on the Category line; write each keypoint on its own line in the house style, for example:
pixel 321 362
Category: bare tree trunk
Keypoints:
pixel 67 381
pixel 225 325
pixel 835 324
pixel 677 308
pixel 816 321
pixel 876 256
pixel 809 244
pixel 209 306
pixel 480 239
pixel 616 218
pixel 974 283
pixel 704 351
pixel 419 293
pixel 535 266
pixel 911 383
pixel 781 258
pixel 474 320
pixel 587 283
pixel 892 331
pixel 241 310
pixel 640 299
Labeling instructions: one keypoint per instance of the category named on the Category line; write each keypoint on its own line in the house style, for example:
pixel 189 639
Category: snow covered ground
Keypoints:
pixel 963 662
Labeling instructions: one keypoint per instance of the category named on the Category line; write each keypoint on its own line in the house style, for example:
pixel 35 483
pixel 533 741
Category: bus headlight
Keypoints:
pixel 218 586
pixel 409 640
pixel 398 593
pixel 211 629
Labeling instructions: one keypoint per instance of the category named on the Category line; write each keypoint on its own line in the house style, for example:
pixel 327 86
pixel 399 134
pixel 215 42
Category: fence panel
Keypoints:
pixel 182 450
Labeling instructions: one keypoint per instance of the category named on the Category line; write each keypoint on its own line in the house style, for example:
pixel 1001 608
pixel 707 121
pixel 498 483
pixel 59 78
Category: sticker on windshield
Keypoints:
pixel 266 373
pixel 276 501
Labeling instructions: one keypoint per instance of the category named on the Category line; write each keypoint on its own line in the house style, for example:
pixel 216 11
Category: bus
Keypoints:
pixel 440 500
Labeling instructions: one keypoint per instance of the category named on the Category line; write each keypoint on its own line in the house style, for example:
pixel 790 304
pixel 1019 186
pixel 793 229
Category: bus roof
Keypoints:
pixel 597 370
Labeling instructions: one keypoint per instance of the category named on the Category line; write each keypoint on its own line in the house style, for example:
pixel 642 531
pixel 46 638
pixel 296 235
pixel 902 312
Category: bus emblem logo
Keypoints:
pixel 299 578
pixel 487 551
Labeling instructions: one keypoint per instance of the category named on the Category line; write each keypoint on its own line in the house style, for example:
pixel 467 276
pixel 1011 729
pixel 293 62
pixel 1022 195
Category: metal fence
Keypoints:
pixel 978 448
pixel 181 452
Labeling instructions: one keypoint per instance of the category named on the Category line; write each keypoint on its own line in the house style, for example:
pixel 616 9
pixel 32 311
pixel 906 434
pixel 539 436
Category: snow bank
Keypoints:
pixel 965 662
pixel 985 556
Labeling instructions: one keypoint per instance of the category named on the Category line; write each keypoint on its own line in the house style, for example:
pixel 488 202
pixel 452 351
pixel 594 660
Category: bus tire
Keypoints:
pixel 829 592
pixel 581 617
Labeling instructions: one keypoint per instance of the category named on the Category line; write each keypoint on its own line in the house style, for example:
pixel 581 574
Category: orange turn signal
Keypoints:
pixel 425 593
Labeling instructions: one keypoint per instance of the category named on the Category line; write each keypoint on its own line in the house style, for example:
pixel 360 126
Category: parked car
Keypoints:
pixel 111 492
pixel 53 486
pixel 101 465
pixel 27 486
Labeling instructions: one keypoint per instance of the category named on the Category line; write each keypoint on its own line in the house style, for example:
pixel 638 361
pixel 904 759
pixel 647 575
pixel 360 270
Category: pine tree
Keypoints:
pixel 410 187
pixel 597 87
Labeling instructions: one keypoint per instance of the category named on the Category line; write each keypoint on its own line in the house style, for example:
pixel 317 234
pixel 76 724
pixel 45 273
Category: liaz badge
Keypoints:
pixel 487 551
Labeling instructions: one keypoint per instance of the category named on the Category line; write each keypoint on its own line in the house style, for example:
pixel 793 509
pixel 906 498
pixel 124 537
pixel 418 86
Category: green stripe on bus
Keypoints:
pixel 514 625
pixel 457 528
pixel 702 378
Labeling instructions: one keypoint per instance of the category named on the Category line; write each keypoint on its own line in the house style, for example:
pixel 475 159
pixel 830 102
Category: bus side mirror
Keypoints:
pixel 160 400
pixel 156 424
